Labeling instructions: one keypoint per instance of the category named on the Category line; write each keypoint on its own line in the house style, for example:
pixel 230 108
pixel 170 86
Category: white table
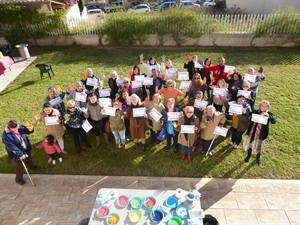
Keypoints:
pixel 160 196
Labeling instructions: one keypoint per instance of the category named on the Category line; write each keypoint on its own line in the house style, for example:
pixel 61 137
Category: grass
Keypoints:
pixel 25 96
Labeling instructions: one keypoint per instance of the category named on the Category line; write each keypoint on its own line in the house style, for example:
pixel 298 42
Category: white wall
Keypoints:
pixel 264 6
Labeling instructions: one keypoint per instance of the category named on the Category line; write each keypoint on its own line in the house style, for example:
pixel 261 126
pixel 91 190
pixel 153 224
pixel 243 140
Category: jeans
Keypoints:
pixel 186 150
pixel 236 136
pixel 119 136
pixel 175 140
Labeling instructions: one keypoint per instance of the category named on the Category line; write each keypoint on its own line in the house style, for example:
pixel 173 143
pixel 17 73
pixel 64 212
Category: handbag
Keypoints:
pixel 162 135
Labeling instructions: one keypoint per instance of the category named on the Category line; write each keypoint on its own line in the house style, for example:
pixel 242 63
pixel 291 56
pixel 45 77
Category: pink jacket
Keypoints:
pixel 49 149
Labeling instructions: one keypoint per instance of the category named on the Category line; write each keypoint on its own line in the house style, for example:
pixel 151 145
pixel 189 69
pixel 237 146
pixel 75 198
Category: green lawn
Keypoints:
pixel 25 96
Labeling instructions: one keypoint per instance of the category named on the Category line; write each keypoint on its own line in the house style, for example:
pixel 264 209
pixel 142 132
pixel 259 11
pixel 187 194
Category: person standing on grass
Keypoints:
pixel 155 126
pixel 112 83
pixel 90 80
pixel 78 92
pixel 18 147
pixel 170 92
pixel 210 119
pixel 56 100
pixel 205 76
pixel 117 125
pixel 138 123
pixel 187 140
pixel 51 148
pixel 220 96
pixel 191 65
pixel 239 123
pixel 196 85
pixel 152 64
pixel 73 119
pixel 218 71
pixel 171 133
pixel 157 82
pixel 125 100
pixel 257 133
pixel 96 118
pixel 254 85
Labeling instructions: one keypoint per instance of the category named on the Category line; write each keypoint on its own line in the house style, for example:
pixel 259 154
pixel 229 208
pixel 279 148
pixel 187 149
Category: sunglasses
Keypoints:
pixel 72 107
pixel 170 86
pixel 197 78
pixel 126 82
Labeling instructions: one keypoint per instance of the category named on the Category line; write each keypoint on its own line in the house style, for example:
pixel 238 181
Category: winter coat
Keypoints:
pixel 137 124
pixel 117 122
pixel 13 144
pixel 56 130
pixel 208 127
pixel 61 106
pixel 151 123
pixel 76 118
pixel 191 137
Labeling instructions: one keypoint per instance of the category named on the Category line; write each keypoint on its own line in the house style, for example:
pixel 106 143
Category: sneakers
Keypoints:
pixel 210 154
pixel 20 182
pixel 231 143
pixel 53 162
pixel 60 159
pixel 36 167
pixel 236 146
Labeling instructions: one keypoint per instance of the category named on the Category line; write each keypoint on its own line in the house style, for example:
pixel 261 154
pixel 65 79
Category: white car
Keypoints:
pixel 188 4
pixel 209 3
pixel 92 11
pixel 140 8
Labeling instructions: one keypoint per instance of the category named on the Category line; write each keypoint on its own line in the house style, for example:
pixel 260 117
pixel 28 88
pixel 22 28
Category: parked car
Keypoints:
pixel 135 3
pixel 166 6
pixel 94 8
pixel 115 7
pixel 209 3
pixel 159 3
pixel 200 2
pixel 188 4
pixel 140 8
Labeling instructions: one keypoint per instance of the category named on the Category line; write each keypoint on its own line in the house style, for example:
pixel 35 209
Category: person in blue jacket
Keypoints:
pixel 18 148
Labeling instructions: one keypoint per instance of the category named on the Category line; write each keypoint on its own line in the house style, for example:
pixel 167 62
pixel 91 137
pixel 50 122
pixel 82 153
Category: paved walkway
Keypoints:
pixel 65 200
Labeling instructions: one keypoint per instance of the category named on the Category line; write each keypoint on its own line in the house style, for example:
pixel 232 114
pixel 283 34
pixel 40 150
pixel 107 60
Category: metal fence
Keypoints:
pixel 230 24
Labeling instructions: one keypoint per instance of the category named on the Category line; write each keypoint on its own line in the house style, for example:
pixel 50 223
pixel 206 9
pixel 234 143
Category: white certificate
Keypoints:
pixel 218 91
pixel 200 104
pixel 185 84
pixel 173 116
pixel 120 82
pixel 198 65
pixel 55 101
pixel 228 69
pixel 110 111
pixel 86 126
pixel 139 112
pixel 172 71
pixel 155 114
pixel 256 118
pixel 80 96
pixel 148 81
pixel 183 76
pixel 150 68
pixel 104 102
pixel 91 81
pixel 244 93
pixel 250 78
pixel 104 93
pixel 136 84
pixel 236 109
pixel 187 129
pixel 51 120
pixel 139 78
pixel 222 131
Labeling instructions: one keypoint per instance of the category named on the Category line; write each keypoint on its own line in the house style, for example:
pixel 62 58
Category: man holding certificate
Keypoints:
pixel 137 116
pixel 78 95
pixel 258 131
pixel 90 80
pixel 188 126
pixel 154 109
pixel 210 119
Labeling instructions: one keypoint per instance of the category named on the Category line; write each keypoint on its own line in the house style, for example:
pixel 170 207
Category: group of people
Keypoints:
pixel 131 105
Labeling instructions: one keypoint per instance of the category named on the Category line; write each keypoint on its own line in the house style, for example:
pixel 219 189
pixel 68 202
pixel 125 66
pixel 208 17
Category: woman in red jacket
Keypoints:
pixel 218 71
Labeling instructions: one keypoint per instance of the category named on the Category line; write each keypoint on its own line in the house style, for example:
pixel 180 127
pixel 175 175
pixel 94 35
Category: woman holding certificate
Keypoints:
pixel 154 109
pixel 220 94
pixel 137 116
pixel 52 120
pixel 96 118
pixel 258 131
pixel 188 125
pixel 112 83
pixel 210 119
pixel 140 91
pixel 196 85
pixel 78 95
pixel 90 80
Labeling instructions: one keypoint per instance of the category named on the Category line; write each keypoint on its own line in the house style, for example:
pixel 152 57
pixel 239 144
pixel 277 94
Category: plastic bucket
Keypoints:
pixel 136 202
pixel 122 201
pixel 112 219
pixel 135 216
pixel 171 202
pixel 103 211
pixel 150 202
pixel 156 216
pixel 174 220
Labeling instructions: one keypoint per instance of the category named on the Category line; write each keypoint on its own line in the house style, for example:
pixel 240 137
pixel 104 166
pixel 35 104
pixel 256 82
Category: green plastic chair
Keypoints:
pixel 44 68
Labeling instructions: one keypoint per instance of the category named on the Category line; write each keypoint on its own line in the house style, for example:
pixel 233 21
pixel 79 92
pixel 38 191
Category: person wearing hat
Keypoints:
pixel 18 147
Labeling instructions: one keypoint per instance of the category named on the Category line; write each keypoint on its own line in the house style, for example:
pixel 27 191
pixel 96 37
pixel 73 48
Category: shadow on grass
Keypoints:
pixel 25 84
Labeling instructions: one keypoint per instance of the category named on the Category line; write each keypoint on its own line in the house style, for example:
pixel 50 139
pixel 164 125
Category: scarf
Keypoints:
pixel 188 121
pixel 19 136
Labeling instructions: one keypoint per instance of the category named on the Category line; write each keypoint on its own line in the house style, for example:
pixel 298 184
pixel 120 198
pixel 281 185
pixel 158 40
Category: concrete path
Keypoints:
pixel 14 71
pixel 65 200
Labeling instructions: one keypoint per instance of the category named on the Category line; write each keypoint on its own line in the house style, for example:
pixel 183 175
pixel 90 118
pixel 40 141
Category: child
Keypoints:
pixel 51 148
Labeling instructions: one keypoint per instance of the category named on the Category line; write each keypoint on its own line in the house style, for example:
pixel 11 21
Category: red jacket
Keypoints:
pixel 216 69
